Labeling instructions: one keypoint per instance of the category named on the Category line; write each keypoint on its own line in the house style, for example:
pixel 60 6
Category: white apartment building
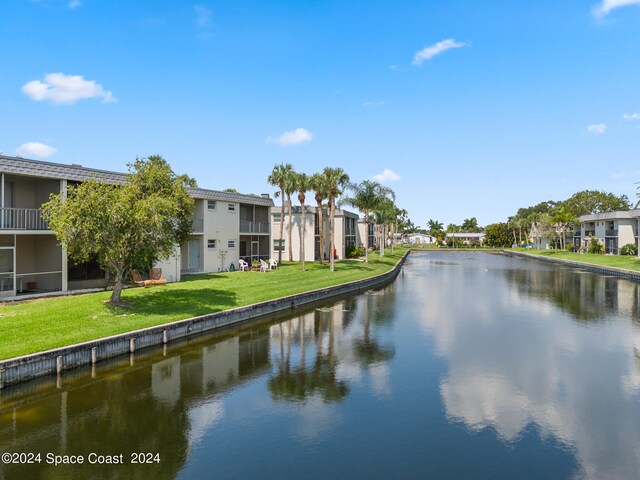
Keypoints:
pixel 227 226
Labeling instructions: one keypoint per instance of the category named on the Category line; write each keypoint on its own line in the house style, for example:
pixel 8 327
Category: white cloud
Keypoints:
pixel 73 4
pixel 35 149
pixel 606 6
pixel 428 53
pixel 203 16
pixel 387 175
pixel 294 137
pixel 597 129
pixel 394 67
pixel 61 89
pixel 631 116
pixel 203 22
pixel 372 104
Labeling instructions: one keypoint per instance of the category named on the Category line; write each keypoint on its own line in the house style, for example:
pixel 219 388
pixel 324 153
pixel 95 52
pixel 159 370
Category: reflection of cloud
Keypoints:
pixel 202 418
pixel 515 358
pixel 380 379
pixel 315 418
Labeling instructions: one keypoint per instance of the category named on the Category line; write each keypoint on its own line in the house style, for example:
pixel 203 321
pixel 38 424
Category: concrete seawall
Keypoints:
pixel 613 271
pixel 27 367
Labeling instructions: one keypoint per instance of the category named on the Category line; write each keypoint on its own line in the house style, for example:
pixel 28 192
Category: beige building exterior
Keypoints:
pixel 347 233
pixel 226 226
pixel 613 229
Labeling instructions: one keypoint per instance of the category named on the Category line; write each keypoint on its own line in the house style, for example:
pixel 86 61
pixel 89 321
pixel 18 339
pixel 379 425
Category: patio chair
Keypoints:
pixel 243 265
pixel 264 266
pixel 155 275
pixel 273 264
pixel 139 280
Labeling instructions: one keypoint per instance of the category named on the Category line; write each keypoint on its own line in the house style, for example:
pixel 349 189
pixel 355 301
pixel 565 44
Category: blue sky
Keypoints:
pixel 464 108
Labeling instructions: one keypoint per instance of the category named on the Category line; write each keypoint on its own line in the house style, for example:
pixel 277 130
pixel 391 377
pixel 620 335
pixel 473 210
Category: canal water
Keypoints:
pixel 469 365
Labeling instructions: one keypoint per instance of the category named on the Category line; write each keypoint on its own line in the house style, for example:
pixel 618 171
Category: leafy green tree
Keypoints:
pixel 592 201
pixel 336 180
pixel 498 235
pixel 470 225
pixel 368 196
pixel 278 178
pixel 126 227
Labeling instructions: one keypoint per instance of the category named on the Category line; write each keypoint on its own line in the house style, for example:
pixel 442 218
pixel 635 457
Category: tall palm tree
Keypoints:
pixel 337 180
pixel 383 216
pixel 302 185
pixel 319 186
pixel 278 179
pixel 289 189
pixel 367 196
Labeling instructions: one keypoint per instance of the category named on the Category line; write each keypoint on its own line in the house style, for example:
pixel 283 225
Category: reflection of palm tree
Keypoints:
pixel 367 348
pixel 299 383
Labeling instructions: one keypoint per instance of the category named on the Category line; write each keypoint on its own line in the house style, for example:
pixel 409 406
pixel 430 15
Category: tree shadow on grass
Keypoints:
pixel 179 303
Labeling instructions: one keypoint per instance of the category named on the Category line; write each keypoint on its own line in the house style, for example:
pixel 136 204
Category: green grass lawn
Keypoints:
pixel 618 261
pixel 42 324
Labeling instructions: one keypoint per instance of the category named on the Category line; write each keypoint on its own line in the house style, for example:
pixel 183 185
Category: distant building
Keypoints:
pixel 419 238
pixel 467 238
pixel 612 229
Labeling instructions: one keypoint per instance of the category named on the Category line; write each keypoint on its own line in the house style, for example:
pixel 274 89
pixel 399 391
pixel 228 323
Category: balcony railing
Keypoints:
pixel 611 233
pixel 197 225
pixel 589 233
pixel 253 227
pixel 22 219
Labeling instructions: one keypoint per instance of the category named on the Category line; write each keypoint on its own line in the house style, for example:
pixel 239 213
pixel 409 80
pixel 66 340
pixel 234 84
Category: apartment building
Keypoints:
pixel 612 229
pixel 226 227
pixel 347 233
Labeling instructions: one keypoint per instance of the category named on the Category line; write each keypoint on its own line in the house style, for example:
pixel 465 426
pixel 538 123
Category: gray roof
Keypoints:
pixel 622 215
pixel 40 169
pixel 229 197
pixel 36 168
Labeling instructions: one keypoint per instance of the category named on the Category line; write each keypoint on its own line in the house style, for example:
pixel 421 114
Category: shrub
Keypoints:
pixel 354 252
pixel 595 246
pixel 629 249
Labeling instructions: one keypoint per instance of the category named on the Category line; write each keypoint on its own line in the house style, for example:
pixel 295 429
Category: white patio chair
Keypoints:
pixel 243 265
pixel 273 264
pixel 264 266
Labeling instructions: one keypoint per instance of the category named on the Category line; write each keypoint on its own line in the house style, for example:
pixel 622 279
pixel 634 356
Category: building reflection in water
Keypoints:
pixel 558 352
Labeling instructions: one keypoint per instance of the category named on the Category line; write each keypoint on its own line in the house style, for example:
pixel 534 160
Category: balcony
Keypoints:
pixel 589 233
pixel 611 233
pixel 197 225
pixel 254 227
pixel 22 219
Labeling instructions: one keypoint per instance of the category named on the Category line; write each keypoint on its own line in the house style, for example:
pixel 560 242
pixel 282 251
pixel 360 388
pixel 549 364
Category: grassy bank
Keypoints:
pixel 42 324
pixel 617 261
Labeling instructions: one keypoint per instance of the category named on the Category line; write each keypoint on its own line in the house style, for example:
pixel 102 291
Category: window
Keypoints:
pixel 231 244
pixel 278 245
pixel 232 207
pixel 276 217
pixel 211 243
pixel 211 204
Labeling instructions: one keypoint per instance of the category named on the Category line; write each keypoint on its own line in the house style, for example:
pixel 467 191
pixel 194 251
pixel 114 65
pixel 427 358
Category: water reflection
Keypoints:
pixel 173 400
pixel 516 357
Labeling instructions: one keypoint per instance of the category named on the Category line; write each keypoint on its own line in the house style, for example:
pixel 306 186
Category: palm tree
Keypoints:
pixel 302 184
pixel 289 189
pixel 384 215
pixel 319 186
pixel 278 178
pixel 368 195
pixel 337 180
